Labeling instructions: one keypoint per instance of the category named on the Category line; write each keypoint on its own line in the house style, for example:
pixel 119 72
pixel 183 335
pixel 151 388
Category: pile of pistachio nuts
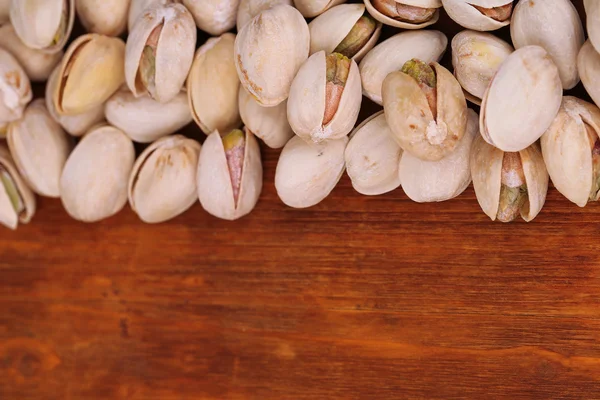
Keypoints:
pixel 294 77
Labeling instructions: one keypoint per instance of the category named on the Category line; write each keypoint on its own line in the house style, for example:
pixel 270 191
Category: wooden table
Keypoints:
pixel 356 298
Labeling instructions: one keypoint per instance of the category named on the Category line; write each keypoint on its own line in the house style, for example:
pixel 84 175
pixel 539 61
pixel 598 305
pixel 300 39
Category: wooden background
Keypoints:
pixel 356 298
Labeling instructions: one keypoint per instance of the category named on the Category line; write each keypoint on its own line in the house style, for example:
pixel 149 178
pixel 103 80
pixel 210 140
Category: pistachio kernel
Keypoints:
pixel 358 36
pixel 234 144
pixel 62 26
pixel 404 12
pixel 147 69
pixel 338 69
pixel 513 190
pixel 11 190
pixel 425 76
pixel 500 14
pixel 595 146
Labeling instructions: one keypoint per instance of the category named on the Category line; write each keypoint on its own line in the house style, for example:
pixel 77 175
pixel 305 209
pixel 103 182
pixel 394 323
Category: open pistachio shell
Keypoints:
pixel 87 76
pixel 521 100
pixel 588 64
pixel 162 184
pixel 391 54
pixel 377 8
pixel 413 123
pixel 17 201
pixel 137 8
pixel 274 44
pixel 431 181
pixel 492 176
pixel 592 12
pixel 213 16
pixel 213 86
pixel 312 8
pixel 145 120
pixel 106 17
pixel 229 174
pixel 307 173
pixel 479 15
pixel 372 157
pixel 43 24
pixel 249 9
pixel 344 29
pixel 4 11
pixel 40 148
pixel 15 88
pixel 315 111
pixel 162 35
pixel 93 184
pixel 269 124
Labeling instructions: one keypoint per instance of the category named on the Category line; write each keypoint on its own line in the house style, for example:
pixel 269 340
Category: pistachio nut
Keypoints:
pixel 162 34
pixel 17 201
pixel 521 100
pixel 372 157
pixel 508 184
pixel 433 181
pixel 476 56
pixel 106 17
pixel 40 148
pixel 425 109
pixel 93 184
pixel 391 54
pixel 15 88
pixel 269 124
pixel 145 120
pixel 269 51
pixel 162 184
pixel 571 149
pixel 88 76
pixel 3 129
pixel 213 86
pixel 75 125
pixel 592 12
pixel 588 64
pixel 213 16
pixel 137 8
pixel 480 15
pixel 229 174
pixel 325 97
pixel 346 29
pixel 4 11
pixel 406 14
pixel 307 172
pixel 43 24
pixel 312 8
pixel 249 9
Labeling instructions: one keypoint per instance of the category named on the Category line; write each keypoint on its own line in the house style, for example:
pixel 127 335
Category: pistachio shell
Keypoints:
pixel 213 86
pixel 431 181
pixel 162 184
pixel 307 173
pixel 402 24
pixel 43 24
pixel 529 78
pixel 249 9
pixel 174 51
pixel 15 88
pixel 213 16
pixel 106 17
pixel 88 76
pixel 4 11
pixel 269 124
pixel 40 148
pixel 476 56
pixel 592 11
pixel 372 157
pixel 274 44
pixel 145 120
pixel 464 14
pixel 411 120
pixel 312 8
pixel 16 187
pixel 93 185
pixel 137 8
pixel 588 64
pixel 391 54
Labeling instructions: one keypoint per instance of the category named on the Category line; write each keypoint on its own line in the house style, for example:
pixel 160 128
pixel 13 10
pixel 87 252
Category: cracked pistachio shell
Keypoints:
pixel 15 88
pixel 213 16
pixel 213 86
pixel 521 100
pixel 465 14
pixel 17 201
pixel 174 51
pixel 372 157
pixel 106 17
pixel 567 150
pixel 306 104
pixel 476 56
pixel 433 181
pixel 307 173
pixel 411 119
pixel 43 24
pixel 269 124
pixel 93 184
pixel 379 16
pixel 162 184
pixel 40 148
pixel 329 29
pixel 215 189
pixel 274 44
pixel 249 9
pixel 312 8
pixel 137 8
pixel 555 26
pixel 88 76
pixel 4 11
pixel 588 63
pixel 391 54
pixel 486 170
pixel 592 12
pixel 145 120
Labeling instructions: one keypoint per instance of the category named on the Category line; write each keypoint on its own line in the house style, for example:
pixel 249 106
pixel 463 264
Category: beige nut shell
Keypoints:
pixel 588 64
pixel 213 16
pixel 464 14
pixel 8 216
pixel 312 8
pixel 406 25
pixel 592 12
pixel 15 88
pixel 4 11
pixel 137 8
pixel 249 9
pixel 106 17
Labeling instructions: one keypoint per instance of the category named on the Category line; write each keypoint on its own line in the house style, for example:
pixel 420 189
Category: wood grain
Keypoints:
pixel 356 298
